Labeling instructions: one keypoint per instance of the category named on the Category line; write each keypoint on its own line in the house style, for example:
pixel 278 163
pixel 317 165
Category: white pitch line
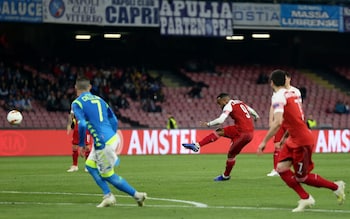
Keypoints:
pixel 195 204
pixel 191 203
pixel 279 209
pixel 90 204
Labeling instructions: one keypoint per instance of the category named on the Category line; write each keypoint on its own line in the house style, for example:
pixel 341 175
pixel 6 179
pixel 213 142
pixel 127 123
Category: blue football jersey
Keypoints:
pixel 95 115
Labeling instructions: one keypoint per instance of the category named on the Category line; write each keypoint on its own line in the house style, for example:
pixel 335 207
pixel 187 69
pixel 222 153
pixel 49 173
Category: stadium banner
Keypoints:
pixel 195 18
pixel 21 11
pixel 346 19
pixel 73 12
pixel 310 17
pixel 16 142
pixel 249 15
pixel 143 13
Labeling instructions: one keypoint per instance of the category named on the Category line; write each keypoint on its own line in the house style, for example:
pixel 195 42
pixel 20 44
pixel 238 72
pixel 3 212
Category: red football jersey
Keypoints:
pixel 238 111
pixel 289 104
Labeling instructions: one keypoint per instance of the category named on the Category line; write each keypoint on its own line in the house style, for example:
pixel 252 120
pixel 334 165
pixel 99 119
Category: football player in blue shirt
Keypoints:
pixel 94 114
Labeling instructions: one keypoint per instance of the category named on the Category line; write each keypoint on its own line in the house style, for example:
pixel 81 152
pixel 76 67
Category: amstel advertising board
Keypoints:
pixel 16 142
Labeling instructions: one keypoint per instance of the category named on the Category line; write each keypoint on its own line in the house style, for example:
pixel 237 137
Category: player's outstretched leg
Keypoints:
pixel 121 184
pixel 318 181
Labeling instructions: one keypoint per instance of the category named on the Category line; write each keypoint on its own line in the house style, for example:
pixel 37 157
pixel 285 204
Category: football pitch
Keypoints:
pixel 178 186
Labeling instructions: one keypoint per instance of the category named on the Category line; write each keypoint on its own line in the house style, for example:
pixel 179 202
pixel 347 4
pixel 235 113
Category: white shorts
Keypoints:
pixel 105 158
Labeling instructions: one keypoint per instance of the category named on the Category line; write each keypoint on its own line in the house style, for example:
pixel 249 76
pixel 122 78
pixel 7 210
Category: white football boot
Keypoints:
pixel 303 203
pixel 108 200
pixel 340 193
pixel 73 169
pixel 140 198
pixel 273 173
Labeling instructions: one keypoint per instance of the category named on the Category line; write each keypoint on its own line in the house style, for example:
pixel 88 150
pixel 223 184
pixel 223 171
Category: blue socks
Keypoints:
pixel 99 180
pixel 117 181
pixel 121 184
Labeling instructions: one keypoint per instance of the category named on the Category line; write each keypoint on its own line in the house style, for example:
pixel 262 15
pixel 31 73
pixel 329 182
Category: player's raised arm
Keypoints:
pixel 221 119
pixel 253 113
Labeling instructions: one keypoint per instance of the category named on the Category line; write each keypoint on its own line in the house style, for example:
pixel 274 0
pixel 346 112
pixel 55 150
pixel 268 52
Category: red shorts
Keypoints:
pixel 300 157
pixel 238 139
pixel 75 140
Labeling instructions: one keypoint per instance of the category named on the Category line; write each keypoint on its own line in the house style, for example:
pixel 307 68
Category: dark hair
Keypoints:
pixel 278 77
pixel 222 95
pixel 82 83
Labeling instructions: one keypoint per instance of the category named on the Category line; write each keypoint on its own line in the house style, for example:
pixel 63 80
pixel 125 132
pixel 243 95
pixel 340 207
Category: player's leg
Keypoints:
pixel 312 179
pixel 275 159
pixel 211 137
pixel 283 168
pixel 91 166
pixel 108 156
pixel 277 146
pixel 206 140
pixel 75 155
pixel 238 141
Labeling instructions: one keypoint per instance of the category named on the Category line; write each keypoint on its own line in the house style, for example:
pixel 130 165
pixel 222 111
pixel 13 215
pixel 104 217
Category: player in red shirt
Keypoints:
pixel 279 136
pixel 241 133
pixel 298 147
pixel 84 151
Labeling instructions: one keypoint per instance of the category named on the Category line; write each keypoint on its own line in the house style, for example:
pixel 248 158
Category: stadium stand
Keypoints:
pixel 344 71
pixel 238 80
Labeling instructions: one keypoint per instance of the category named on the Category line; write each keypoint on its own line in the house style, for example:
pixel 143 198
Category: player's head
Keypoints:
pixel 222 99
pixel 278 78
pixel 82 84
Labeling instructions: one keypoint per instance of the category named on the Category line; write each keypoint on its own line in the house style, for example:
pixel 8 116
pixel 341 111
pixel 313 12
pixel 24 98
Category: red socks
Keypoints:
pixel 75 158
pixel 317 181
pixel 229 166
pixel 289 179
pixel 210 138
pixel 276 153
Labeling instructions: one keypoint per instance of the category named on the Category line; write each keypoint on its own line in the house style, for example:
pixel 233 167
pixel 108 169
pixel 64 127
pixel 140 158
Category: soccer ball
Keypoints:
pixel 14 117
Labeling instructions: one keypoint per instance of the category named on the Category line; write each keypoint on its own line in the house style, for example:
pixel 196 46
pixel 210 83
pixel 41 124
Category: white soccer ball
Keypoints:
pixel 14 117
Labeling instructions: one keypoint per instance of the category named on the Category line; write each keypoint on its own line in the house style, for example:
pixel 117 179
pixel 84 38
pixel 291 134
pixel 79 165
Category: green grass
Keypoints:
pixel 39 187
